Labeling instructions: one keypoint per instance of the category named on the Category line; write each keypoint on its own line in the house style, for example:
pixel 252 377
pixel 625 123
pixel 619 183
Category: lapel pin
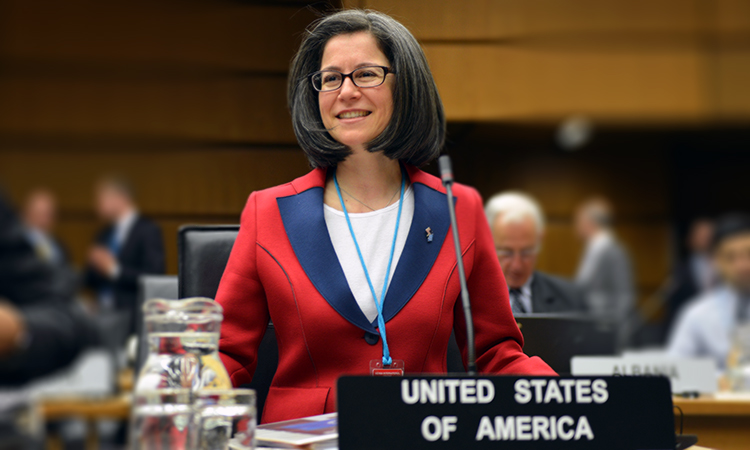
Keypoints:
pixel 429 234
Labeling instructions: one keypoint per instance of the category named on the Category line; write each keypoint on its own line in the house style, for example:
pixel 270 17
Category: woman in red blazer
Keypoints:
pixel 367 113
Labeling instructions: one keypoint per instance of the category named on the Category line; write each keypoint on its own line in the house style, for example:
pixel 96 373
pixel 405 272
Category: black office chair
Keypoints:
pixel 150 286
pixel 203 254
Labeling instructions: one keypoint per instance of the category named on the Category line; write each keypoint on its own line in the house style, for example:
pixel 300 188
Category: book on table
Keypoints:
pixel 309 433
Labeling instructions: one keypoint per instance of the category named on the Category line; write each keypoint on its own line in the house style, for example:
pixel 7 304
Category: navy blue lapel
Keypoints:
pixel 306 229
pixel 419 255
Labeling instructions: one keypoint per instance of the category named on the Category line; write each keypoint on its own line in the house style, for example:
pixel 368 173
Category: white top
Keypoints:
pixel 703 271
pixel 123 226
pixel 44 245
pixel 374 231
pixel 122 230
pixel 705 325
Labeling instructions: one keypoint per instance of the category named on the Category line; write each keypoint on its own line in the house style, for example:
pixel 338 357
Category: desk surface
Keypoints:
pixel 87 408
pixel 720 422
pixel 708 405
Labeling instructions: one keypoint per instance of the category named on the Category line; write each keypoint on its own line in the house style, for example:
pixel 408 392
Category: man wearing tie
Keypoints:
pixel 39 217
pixel 517 225
pixel 129 246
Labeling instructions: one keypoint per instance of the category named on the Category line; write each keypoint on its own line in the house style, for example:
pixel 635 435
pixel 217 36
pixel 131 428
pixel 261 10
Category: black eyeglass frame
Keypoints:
pixel 344 76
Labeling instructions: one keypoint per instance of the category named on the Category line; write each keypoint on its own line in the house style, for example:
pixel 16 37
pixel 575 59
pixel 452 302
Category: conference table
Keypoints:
pixel 721 421
pixel 90 410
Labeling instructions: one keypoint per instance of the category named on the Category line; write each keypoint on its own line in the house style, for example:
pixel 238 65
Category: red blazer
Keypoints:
pixel 283 267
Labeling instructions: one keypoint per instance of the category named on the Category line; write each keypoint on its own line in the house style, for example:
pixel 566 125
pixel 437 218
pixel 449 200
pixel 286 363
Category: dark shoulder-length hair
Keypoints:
pixel 416 132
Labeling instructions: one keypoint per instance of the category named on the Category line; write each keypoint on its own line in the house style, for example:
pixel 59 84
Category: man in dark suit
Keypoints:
pixel 41 327
pixel 517 225
pixel 129 246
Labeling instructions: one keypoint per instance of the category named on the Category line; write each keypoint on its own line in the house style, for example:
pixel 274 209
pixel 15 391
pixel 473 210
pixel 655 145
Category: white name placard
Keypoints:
pixel 685 374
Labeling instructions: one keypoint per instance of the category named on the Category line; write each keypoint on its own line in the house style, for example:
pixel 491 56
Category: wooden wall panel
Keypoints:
pixel 671 61
pixel 561 249
pixel 199 181
pixel 733 89
pixel 731 16
pixel 502 19
pixel 485 82
pixel 185 33
pixel 249 109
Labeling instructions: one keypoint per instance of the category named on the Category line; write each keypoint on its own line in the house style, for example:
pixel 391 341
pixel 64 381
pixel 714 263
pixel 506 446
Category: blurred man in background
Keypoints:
pixel 41 327
pixel 605 272
pixel 704 326
pixel 40 218
pixel 694 275
pixel 517 224
pixel 130 245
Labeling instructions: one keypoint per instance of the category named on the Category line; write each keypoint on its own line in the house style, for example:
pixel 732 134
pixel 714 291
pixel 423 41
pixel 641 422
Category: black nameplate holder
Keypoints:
pixel 513 413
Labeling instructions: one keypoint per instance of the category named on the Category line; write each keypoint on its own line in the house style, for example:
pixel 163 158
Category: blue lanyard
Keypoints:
pixel 378 302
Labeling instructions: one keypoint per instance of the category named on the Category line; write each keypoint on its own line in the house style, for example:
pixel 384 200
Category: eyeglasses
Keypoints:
pixel 525 254
pixel 364 77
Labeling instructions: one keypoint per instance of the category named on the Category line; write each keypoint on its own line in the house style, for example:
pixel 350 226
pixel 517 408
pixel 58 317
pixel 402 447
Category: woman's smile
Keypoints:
pixel 352 114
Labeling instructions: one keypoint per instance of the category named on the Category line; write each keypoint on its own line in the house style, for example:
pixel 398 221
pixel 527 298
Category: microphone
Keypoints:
pixel 446 174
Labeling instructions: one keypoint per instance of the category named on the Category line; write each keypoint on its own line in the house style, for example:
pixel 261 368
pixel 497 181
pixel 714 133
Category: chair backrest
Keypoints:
pixel 203 254
pixel 150 286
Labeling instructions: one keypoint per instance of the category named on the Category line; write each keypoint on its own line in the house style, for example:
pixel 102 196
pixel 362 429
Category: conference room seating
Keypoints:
pixel 203 252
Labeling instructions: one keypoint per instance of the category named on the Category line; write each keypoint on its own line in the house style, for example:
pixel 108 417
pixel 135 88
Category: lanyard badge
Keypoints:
pixel 396 369
pixel 387 366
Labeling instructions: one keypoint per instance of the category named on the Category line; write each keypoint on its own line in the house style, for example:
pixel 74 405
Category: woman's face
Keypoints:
pixel 353 115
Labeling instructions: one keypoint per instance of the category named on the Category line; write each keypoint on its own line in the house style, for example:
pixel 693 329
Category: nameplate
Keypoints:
pixel 456 412
pixel 685 375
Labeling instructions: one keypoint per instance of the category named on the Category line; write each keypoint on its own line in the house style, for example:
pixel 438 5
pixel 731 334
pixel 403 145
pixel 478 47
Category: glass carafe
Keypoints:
pixel 183 345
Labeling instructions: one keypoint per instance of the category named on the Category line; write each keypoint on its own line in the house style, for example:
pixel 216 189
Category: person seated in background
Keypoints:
pixel 129 245
pixel 42 328
pixel 705 325
pixel 40 218
pixel 605 272
pixel 517 225
pixel 694 275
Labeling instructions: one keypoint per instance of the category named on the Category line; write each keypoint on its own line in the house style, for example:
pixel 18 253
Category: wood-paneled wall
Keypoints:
pixel 187 98
pixel 618 61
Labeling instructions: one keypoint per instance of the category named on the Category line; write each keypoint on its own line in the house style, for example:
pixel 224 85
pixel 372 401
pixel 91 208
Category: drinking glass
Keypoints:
pixel 221 415
pixel 162 420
